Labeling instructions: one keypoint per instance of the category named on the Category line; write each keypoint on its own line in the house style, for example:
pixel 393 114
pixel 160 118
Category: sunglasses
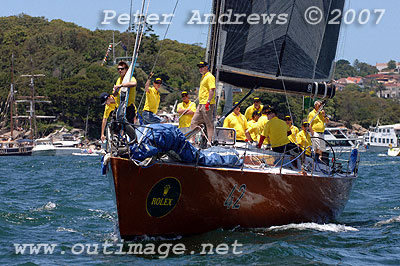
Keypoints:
pixel 121 68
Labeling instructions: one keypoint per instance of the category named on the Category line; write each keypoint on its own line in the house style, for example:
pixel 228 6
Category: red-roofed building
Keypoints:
pixel 343 82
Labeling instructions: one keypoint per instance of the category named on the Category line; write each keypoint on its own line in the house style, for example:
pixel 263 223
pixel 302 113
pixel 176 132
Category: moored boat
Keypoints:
pixel 44 147
pixel 21 147
pixel 67 145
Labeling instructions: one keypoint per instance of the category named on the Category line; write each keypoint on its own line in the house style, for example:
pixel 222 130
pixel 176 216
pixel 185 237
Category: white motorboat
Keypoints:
pixel 89 152
pixel 395 152
pixel 67 145
pixel 342 141
pixel 44 147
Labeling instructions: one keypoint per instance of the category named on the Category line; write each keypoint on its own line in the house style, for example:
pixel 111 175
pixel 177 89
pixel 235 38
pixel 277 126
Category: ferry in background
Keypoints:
pixel 341 141
pixel 380 138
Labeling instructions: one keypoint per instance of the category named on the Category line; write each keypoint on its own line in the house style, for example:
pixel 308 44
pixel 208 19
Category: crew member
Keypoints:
pixel 186 110
pixel 130 109
pixel 238 122
pixel 110 104
pixel 204 112
pixel 317 122
pixel 253 127
pixel 262 121
pixel 276 131
pixel 293 129
pixel 257 106
pixel 152 101
pixel 304 139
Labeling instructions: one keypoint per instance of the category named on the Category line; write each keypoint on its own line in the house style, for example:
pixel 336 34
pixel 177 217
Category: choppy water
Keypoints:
pixel 67 202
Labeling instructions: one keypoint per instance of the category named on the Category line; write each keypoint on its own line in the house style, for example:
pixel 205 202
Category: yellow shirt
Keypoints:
pixel 152 100
pixel 250 110
pixel 239 123
pixel 262 121
pixel 295 131
pixel 304 141
pixel 109 108
pixel 276 129
pixel 318 125
pixel 185 120
pixel 253 130
pixel 206 84
pixel 132 92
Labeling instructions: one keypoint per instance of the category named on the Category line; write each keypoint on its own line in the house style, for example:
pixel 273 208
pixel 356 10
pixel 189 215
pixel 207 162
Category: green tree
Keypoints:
pixel 391 64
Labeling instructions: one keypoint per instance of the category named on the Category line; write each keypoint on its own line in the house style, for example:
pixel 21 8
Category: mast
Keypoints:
pixel 87 120
pixel 12 96
pixel 32 100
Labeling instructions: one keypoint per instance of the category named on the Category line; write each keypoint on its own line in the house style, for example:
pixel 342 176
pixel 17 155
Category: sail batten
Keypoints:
pixel 281 44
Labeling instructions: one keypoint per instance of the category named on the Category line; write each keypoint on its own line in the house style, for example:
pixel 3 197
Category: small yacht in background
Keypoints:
pixel 67 145
pixel 395 152
pixel 341 141
pixel 44 146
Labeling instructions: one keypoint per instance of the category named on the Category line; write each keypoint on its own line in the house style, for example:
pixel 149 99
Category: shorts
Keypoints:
pixel 131 113
pixel 202 116
pixel 289 148
pixel 318 142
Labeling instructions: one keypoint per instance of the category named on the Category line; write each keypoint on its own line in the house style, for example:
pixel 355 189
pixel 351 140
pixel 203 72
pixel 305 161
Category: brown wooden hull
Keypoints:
pixel 202 199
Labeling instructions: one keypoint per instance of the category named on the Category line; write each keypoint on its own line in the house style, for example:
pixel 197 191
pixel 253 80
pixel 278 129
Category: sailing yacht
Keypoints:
pixel 165 186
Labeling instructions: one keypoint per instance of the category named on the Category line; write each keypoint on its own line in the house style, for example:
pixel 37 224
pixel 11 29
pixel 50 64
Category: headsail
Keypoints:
pixel 282 50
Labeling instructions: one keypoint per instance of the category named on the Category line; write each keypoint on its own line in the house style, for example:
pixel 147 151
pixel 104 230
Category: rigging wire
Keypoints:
pixel 130 25
pixel 159 50
pixel 165 35
pixel 279 64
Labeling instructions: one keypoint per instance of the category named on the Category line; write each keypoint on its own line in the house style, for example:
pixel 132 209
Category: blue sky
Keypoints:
pixel 369 43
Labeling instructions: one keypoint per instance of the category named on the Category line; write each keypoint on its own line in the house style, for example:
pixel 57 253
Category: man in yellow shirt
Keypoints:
pixel 262 121
pixel 204 112
pixel 186 110
pixel 238 122
pixel 293 129
pixel 304 138
pixel 253 127
pixel 276 131
pixel 152 103
pixel 130 109
pixel 257 106
pixel 110 105
pixel 317 122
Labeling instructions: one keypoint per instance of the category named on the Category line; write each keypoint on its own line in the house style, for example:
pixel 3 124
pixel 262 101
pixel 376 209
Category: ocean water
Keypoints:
pixel 67 203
